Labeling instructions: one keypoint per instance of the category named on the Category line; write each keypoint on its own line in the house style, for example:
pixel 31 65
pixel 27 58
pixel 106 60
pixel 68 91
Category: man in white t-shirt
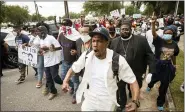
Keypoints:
pixel 99 84
pixel 149 36
pixel 50 48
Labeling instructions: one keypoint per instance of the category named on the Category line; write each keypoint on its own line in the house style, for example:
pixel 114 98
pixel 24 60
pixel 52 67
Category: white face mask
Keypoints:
pixel 85 38
pixel 14 33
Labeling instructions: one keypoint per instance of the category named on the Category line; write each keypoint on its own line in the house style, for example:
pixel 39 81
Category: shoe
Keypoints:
pixel 45 91
pixel 20 80
pixel 148 89
pixel 73 101
pixel 160 108
pixel 39 84
pixel 51 96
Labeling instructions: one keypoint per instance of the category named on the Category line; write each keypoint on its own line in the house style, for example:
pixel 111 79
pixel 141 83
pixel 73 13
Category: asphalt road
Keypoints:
pixel 26 97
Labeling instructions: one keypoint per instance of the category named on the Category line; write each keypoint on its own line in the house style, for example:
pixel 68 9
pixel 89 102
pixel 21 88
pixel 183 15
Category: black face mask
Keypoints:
pixel 112 33
pixel 42 35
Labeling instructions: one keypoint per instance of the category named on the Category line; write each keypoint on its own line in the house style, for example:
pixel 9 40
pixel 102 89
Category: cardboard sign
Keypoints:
pixel 115 13
pixel 117 30
pixel 27 56
pixel 161 22
pixel 123 11
pixel 136 15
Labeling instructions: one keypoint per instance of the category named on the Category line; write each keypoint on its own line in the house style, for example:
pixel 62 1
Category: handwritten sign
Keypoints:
pixel 27 56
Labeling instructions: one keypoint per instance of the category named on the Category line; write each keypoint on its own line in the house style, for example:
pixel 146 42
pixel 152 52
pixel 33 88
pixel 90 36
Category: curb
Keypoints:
pixel 169 101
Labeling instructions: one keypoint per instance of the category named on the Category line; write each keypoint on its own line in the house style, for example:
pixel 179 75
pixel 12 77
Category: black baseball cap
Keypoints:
pixel 100 31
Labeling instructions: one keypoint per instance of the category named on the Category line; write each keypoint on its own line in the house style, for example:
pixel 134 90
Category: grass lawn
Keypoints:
pixel 178 96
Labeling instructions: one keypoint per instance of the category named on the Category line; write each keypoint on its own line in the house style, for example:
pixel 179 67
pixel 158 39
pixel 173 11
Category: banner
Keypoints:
pixel 136 15
pixel 27 56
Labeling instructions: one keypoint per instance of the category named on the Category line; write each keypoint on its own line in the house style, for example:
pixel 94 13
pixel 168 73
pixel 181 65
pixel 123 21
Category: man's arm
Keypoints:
pixel 150 58
pixel 75 68
pixel 6 46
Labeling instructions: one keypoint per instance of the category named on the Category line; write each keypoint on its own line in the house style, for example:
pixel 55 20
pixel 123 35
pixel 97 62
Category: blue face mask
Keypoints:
pixel 167 37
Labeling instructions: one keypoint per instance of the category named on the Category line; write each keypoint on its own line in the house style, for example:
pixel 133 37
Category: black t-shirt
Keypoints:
pixel 67 46
pixel 164 50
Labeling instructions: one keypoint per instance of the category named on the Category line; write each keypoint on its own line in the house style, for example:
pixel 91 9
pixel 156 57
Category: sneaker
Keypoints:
pixel 51 96
pixel 148 89
pixel 45 91
pixel 160 108
pixel 20 80
pixel 39 84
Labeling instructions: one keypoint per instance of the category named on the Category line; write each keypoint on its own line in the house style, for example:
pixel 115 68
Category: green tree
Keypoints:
pixel 36 18
pixel 148 10
pixel 16 14
pixel 2 10
pixel 73 15
pixel 161 7
pixel 100 8
pixel 50 18
pixel 130 10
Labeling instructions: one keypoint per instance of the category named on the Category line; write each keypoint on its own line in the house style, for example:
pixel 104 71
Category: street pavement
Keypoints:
pixel 26 97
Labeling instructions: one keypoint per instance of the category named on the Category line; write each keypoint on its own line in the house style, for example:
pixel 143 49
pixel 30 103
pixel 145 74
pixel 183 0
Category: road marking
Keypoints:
pixel 7 71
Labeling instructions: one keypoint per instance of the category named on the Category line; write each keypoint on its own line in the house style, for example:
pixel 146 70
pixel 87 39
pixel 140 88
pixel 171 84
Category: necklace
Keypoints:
pixel 125 50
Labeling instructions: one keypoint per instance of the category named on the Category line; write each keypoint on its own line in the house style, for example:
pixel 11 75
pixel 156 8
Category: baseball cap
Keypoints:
pixel 100 31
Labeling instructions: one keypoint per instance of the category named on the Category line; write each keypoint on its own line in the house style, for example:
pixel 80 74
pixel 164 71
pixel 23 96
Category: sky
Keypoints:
pixel 52 8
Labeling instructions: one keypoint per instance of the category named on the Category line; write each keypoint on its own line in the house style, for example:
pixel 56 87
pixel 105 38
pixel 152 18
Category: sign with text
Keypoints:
pixel 27 56
pixel 115 13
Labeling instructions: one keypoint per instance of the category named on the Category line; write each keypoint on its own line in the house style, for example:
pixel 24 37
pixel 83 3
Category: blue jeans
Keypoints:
pixel 74 82
pixel 40 67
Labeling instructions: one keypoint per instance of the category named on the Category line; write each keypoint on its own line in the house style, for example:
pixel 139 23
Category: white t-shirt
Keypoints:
pixel 97 81
pixel 51 58
pixel 34 41
pixel 149 38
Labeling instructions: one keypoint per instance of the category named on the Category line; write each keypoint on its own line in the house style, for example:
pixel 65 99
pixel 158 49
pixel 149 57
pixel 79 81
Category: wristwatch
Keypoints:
pixel 136 102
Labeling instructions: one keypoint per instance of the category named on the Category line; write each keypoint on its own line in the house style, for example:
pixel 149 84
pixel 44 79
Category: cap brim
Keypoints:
pixel 97 33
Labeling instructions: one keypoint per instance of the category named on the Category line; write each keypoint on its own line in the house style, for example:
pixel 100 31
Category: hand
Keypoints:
pixel 23 46
pixel 73 52
pixel 65 87
pixel 131 107
pixel 52 48
pixel 45 48
pixel 148 78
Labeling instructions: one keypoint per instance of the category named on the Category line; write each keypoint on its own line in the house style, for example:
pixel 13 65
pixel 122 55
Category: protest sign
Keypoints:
pixel 27 56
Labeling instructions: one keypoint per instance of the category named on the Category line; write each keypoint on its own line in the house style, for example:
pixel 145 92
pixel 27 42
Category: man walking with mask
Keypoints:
pixel 99 84
pixel 50 48
pixel 137 52
pixel 20 40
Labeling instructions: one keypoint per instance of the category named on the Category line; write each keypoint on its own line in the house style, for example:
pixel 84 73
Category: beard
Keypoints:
pixel 126 35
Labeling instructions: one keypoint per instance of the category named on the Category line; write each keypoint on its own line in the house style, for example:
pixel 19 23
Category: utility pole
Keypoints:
pixel 176 8
pixel 66 9
pixel 37 11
